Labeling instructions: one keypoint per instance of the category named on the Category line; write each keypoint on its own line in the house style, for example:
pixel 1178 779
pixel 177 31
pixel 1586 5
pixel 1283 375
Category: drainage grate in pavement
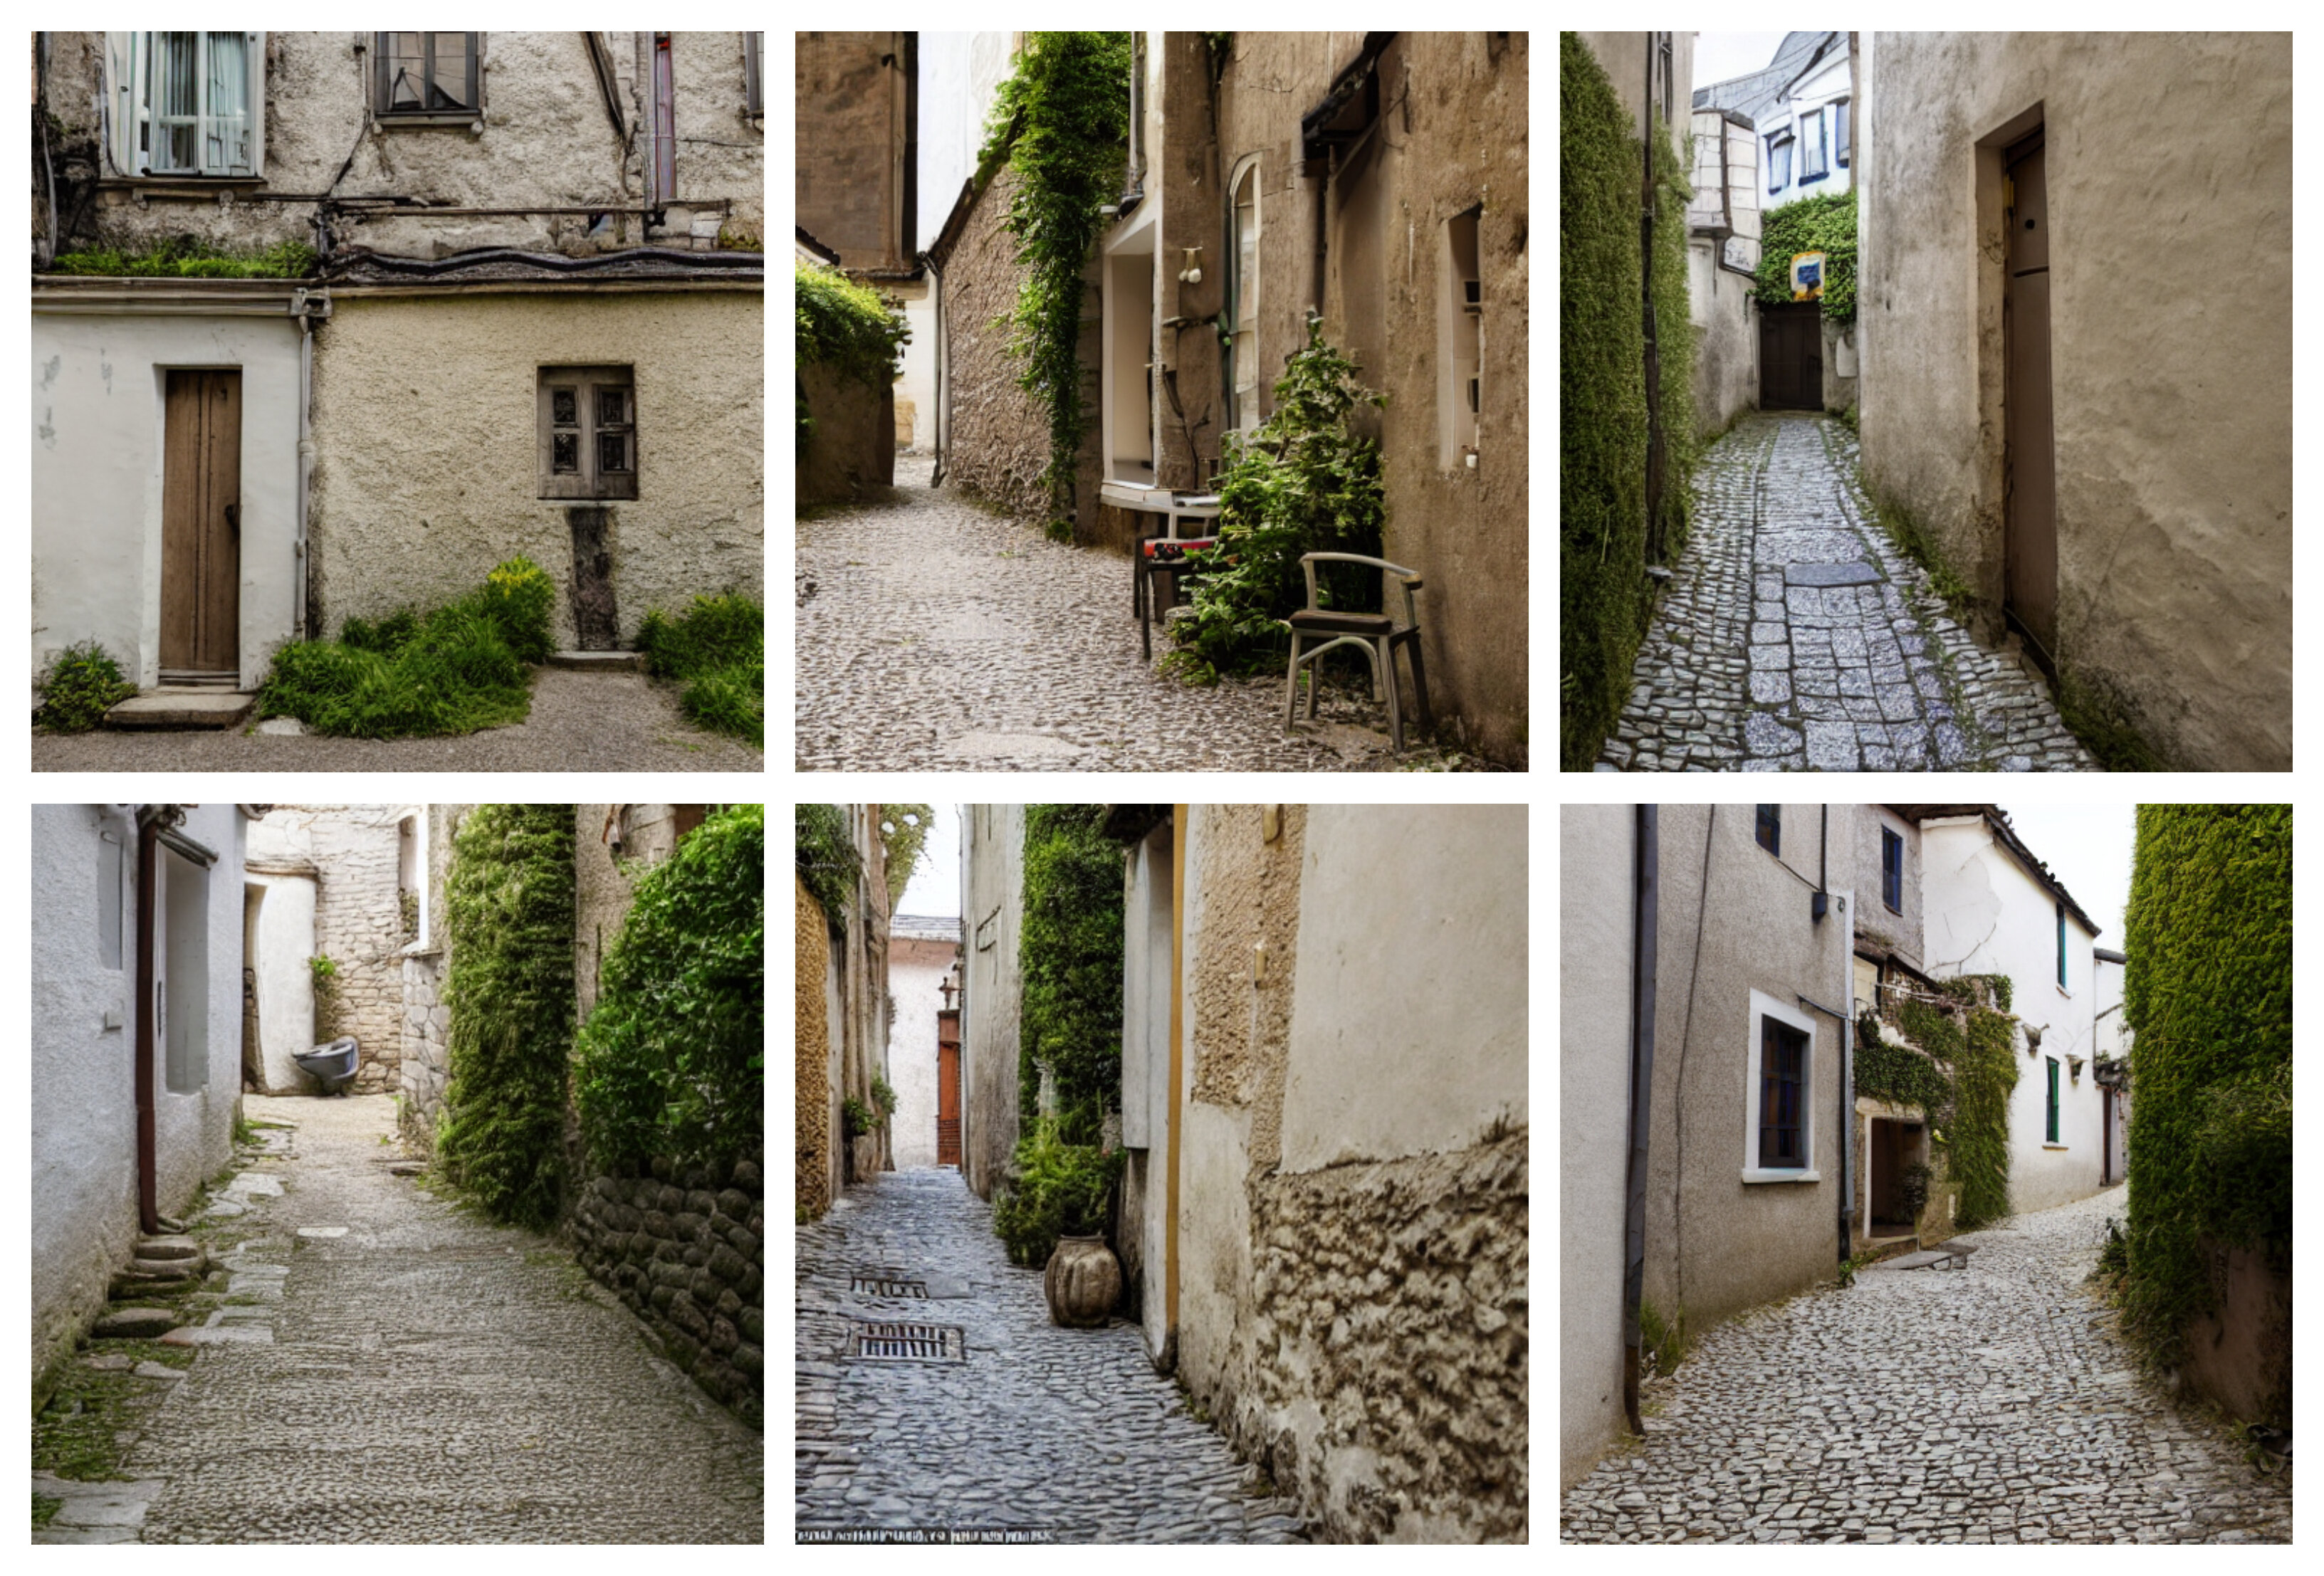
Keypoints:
pixel 907 1343
pixel 873 1283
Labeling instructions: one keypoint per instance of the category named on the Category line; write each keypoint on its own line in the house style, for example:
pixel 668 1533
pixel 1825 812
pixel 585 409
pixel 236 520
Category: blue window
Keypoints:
pixel 1892 871
pixel 1815 159
pixel 1770 829
pixel 1779 161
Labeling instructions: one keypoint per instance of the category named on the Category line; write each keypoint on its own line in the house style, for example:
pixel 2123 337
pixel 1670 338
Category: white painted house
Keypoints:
pixel 121 984
pixel 1991 906
pixel 923 957
pixel 1801 105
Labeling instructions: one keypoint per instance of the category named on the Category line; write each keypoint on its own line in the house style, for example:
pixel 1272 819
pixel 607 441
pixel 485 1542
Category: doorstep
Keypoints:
pixel 597 661
pixel 182 708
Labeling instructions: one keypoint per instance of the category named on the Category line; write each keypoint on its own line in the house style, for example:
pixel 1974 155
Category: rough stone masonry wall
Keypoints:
pixel 682 1246
pixel 811 1049
pixel 426 1021
pixel 359 926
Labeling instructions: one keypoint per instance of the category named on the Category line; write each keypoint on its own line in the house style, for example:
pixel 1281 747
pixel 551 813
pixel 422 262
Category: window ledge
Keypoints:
pixel 1753 1175
pixel 2057 1145
pixel 389 121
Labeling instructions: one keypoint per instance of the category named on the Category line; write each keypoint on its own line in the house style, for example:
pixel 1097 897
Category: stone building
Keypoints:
pixel 841 1023
pixel 2094 436
pixel 992 914
pixel 132 903
pixel 534 327
pixel 1378 179
pixel 923 977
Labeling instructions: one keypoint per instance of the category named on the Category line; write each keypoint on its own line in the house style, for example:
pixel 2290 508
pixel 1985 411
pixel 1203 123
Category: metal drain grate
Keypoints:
pixel 873 1283
pixel 907 1343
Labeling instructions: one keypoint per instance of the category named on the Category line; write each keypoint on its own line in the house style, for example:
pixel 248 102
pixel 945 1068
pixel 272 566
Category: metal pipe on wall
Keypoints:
pixel 1646 884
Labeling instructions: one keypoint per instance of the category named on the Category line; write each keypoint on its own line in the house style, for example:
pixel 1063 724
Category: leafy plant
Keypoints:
pixel 856 1118
pixel 1069 954
pixel 827 861
pixel 883 1097
pixel 718 649
pixel 671 1061
pixel 1061 122
pixel 1057 1185
pixel 1302 483
pixel 847 326
pixel 1813 223
pixel 185 257
pixel 904 833
pixel 508 903
pixel 83 683
pixel 325 974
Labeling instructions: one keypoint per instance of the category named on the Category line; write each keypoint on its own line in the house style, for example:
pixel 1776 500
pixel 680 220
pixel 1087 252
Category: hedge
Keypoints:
pixel 2207 994
pixel 1814 223
pixel 1071 963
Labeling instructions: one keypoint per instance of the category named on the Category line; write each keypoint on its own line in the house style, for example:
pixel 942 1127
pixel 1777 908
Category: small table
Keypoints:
pixel 1164 553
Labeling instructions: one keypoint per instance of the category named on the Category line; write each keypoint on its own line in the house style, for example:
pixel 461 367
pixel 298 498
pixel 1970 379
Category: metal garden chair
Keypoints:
pixel 1377 635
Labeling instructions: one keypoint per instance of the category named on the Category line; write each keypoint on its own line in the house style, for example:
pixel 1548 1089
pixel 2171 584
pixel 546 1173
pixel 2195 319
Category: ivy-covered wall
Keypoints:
pixel 849 349
pixel 1603 600
pixel 2207 990
pixel 1072 963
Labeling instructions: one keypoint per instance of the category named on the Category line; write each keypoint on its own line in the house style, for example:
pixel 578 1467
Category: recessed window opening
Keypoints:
pixel 1769 829
pixel 1892 871
pixel 1460 350
pixel 184 987
pixel 1242 349
pixel 426 73
pixel 588 432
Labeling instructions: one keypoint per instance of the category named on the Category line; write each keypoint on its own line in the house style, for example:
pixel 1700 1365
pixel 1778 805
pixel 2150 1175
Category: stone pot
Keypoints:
pixel 1083 1281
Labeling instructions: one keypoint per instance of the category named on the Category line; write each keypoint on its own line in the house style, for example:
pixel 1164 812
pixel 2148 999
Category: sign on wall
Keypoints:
pixel 1807 276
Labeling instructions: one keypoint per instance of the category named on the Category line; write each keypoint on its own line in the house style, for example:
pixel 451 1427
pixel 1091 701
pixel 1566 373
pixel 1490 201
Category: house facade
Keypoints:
pixel 2112 1037
pixel 923 961
pixel 2044 376
pixel 527 320
pixel 137 1018
pixel 992 916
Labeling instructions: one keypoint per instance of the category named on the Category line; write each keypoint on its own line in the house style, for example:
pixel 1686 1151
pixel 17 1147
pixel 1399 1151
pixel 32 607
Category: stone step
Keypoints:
pixel 599 661
pixel 168 1248
pixel 182 708
pixel 134 1325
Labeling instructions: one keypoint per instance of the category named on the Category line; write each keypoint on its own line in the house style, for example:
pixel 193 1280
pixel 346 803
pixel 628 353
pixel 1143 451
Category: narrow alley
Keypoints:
pixel 376 1364
pixel 935 637
pixel 1018 1425
pixel 1793 635
pixel 1988 1404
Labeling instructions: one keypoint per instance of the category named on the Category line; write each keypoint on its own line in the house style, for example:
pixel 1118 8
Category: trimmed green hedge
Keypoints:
pixel 1814 223
pixel 1071 961
pixel 2207 993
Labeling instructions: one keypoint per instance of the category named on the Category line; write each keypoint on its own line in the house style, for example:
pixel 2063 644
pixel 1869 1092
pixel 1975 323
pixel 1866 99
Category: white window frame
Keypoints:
pixel 1765 1006
pixel 1118 319
pixel 1243 330
pixel 128 62
pixel 1812 142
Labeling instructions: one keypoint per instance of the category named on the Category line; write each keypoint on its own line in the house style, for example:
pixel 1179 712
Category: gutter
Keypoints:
pixel 1645 889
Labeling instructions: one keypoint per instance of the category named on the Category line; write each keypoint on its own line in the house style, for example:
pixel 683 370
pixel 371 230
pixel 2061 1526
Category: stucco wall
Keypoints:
pixel 98 393
pixel 851 445
pixel 1898 929
pixel 2172 398
pixel 916 970
pixel 1596 857
pixel 193 1132
pixel 1726 339
pixel 810 1049
pixel 286 985
pixel 418 508
pixel 993 900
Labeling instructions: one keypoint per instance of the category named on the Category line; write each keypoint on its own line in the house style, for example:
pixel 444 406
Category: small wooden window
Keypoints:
pixel 426 75
pixel 1770 830
pixel 1892 871
pixel 588 432
pixel 1783 1090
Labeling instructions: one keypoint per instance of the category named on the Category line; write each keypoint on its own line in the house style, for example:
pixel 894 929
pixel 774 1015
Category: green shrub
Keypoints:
pixel 1055 1187
pixel 827 862
pixel 847 326
pixel 671 1061
pixel 855 1117
pixel 82 684
pixel 1069 956
pixel 1813 223
pixel 184 257
pixel 717 649
pixel 508 903
pixel 1302 483
pixel 518 596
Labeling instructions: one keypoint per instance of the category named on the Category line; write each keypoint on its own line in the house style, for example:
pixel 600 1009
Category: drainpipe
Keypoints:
pixel 1819 905
pixel 303 306
pixel 938 419
pixel 1645 882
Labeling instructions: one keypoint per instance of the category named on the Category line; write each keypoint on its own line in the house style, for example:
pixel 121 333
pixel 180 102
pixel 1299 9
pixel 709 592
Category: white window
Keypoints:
pixel 1815 165
pixel 186 103
pixel 1244 299
pixel 184 987
pixel 1779 1104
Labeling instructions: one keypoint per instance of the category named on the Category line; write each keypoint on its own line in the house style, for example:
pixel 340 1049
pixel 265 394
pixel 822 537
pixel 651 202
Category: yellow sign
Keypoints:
pixel 1807 276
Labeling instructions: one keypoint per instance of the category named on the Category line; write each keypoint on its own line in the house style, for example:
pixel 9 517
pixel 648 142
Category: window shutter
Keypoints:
pixel 256 163
pixel 121 101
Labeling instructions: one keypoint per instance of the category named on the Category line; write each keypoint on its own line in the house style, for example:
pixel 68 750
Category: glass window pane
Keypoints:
pixel 173 101
pixel 407 70
pixel 226 136
pixel 563 407
pixel 612 407
pixel 450 83
pixel 565 455
pixel 613 453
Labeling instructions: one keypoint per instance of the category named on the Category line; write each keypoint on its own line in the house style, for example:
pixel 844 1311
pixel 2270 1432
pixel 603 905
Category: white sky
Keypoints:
pixel 2088 846
pixel 1720 56
pixel 936 885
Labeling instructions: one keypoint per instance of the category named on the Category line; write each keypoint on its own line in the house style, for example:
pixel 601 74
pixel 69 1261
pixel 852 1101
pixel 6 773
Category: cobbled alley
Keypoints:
pixel 935 637
pixel 1068 1435
pixel 1793 635
pixel 380 1367
pixel 1991 1404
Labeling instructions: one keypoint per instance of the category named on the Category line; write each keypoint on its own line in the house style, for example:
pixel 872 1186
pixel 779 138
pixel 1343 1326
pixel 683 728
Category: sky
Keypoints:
pixel 935 889
pixel 2088 847
pixel 1718 56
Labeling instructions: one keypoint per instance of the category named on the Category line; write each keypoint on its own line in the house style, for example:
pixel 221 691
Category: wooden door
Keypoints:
pixel 201 526
pixel 948 1088
pixel 2032 544
pixel 1791 357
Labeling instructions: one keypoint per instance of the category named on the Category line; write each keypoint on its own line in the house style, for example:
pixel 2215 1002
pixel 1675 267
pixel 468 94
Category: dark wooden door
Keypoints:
pixel 202 525
pixel 2033 490
pixel 948 1088
pixel 1791 357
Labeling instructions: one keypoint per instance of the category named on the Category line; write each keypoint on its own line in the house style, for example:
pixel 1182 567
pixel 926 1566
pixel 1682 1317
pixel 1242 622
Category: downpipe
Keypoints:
pixel 1644 890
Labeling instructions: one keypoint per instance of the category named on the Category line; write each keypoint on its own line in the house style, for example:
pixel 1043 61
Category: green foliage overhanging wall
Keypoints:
pixel 2207 994
pixel 1965 1089
pixel 903 833
pixel 826 860
pixel 849 327
pixel 1071 953
pixel 508 904
pixel 1062 121
pixel 1814 223
pixel 672 1060
pixel 1603 592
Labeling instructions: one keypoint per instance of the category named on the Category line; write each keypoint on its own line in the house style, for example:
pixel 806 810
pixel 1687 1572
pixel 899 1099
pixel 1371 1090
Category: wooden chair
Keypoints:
pixel 1377 634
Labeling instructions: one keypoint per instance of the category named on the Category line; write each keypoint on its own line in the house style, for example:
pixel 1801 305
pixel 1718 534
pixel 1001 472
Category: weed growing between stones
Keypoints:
pixel 82 684
pixel 44 1510
pixel 717 650
pixel 186 257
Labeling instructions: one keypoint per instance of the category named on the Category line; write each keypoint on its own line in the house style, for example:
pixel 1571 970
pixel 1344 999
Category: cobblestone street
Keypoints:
pixel 380 1367
pixel 934 636
pixel 1069 1433
pixel 1793 635
pixel 1987 1405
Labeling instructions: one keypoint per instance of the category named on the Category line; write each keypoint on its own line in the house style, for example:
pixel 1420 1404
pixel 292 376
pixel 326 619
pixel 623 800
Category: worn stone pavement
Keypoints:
pixel 1992 1403
pixel 402 1372
pixel 934 636
pixel 1066 1433
pixel 1794 636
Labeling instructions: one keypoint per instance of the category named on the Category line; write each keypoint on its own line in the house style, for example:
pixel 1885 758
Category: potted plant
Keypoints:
pixel 1052 1212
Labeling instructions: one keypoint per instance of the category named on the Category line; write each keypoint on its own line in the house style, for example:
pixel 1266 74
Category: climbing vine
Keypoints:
pixel 1070 961
pixel 1960 1075
pixel 508 902
pixel 672 1060
pixel 1813 223
pixel 2207 994
pixel 1061 122
pixel 847 326
pixel 826 860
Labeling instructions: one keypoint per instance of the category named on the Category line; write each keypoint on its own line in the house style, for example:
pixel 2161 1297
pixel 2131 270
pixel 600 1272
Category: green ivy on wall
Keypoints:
pixel 1062 123
pixel 847 326
pixel 1070 954
pixel 2207 993
pixel 1896 1073
pixel 826 860
pixel 1813 223
pixel 508 902
pixel 672 1060
pixel 1964 1082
